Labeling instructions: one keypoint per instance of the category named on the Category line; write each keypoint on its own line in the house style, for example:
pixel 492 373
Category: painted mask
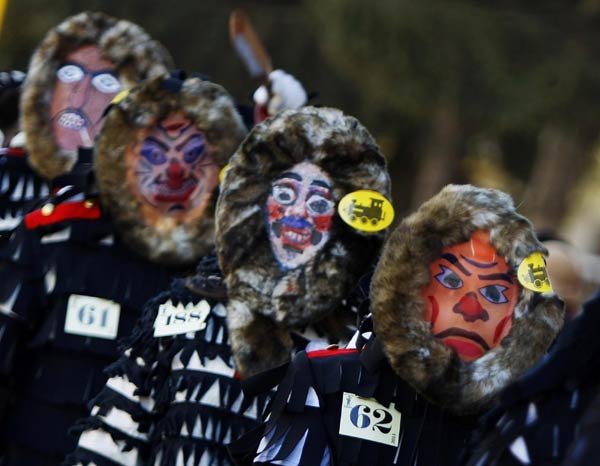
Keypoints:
pixel 171 168
pixel 299 214
pixel 470 297
pixel 85 85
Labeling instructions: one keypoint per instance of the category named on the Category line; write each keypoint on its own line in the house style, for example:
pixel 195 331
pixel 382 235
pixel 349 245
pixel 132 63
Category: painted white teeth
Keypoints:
pixel 71 121
pixel 296 237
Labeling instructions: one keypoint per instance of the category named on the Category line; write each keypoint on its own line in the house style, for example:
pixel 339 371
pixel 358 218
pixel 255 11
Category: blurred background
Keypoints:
pixel 498 93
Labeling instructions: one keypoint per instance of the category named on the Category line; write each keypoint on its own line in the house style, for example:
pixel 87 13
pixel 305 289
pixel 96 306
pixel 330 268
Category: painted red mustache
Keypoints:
pixel 459 332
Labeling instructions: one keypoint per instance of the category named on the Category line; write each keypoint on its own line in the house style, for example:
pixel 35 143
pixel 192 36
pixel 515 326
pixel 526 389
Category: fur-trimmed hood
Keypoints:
pixel 397 305
pixel 135 56
pixel 213 112
pixel 261 312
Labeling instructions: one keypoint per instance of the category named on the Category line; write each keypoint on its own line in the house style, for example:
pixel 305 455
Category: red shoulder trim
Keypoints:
pixel 325 353
pixel 66 211
pixel 13 152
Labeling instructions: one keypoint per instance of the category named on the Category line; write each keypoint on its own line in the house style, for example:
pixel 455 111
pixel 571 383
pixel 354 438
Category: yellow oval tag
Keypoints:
pixel 222 173
pixel 120 96
pixel 366 210
pixel 533 275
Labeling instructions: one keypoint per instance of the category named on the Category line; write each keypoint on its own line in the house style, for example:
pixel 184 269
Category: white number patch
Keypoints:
pixel 92 317
pixel 365 418
pixel 175 320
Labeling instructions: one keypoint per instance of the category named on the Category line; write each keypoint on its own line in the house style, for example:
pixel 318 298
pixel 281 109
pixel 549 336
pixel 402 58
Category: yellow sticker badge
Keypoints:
pixel 366 210
pixel 222 173
pixel 120 96
pixel 533 275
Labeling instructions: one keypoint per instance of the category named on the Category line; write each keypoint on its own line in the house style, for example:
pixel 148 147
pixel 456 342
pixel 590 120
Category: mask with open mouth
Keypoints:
pixel 172 168
pixel 158 159
pixel 85 84
pixel 299 214
pixel 77 69
pixel 288 258
pixel 454 321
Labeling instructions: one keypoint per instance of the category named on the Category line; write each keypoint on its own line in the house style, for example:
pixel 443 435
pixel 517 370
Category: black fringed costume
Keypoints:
pixel 20 188
pixel 306 412
pixel 48 375
pixel 181 398
pixel 153 372
pixel 396 358
pixel 550 416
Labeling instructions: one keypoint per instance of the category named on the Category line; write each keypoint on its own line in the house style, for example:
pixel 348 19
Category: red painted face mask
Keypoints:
pixel 172 170
pixel 471 297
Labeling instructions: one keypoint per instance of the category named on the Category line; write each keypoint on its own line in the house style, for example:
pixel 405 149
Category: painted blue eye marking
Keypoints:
pixel 494 293
pixel 153 153
pixel 448 278
pixel 193 153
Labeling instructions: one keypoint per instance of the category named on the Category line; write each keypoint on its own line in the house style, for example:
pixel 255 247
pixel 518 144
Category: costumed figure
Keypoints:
pixel 550 416
pixel 77 273
pixel 173 397
pixel 454 320
pixel 74 73
pixel 20 187
pixel 288 259
pixel 10 92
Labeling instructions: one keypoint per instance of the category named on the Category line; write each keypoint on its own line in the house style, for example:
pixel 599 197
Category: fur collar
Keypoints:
pixel 135 55
pixel 214 112
pixel 431 367
pixel 259 320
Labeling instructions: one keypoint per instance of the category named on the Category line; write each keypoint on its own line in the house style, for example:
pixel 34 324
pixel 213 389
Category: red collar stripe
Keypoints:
pixel 325 353
pixel 66 211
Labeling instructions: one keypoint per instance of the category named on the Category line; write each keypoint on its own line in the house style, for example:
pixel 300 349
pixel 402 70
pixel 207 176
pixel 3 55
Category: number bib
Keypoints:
pixel 365 418
pixel 92 317
pixel 175 320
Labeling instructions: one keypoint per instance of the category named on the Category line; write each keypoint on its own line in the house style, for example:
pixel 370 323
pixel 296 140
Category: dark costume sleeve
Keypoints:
pixel 585 449
pixel 118 430
pixel 22 282
pixel 20 188
pixel 550 410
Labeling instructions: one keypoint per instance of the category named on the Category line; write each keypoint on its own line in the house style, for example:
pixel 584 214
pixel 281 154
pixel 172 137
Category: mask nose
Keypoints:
pixel 298 210
pixel 81 93
pixel 470 309
pixel 175 175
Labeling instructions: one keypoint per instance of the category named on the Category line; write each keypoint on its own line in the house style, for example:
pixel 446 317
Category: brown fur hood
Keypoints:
pixel 135 55
pixel 213 112
pixel 397 306
pixel 260 315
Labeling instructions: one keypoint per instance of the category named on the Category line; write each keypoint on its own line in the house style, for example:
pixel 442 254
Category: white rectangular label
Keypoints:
pixel 92 317
pixel 175 320
pixel 365 418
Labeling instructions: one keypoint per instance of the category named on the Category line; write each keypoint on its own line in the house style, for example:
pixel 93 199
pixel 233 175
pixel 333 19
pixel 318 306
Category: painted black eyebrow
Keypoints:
pixel 320 183
pixel 481 265
pixel 157 141
pixel 294 176
pixel 497 276
pixel 454 261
